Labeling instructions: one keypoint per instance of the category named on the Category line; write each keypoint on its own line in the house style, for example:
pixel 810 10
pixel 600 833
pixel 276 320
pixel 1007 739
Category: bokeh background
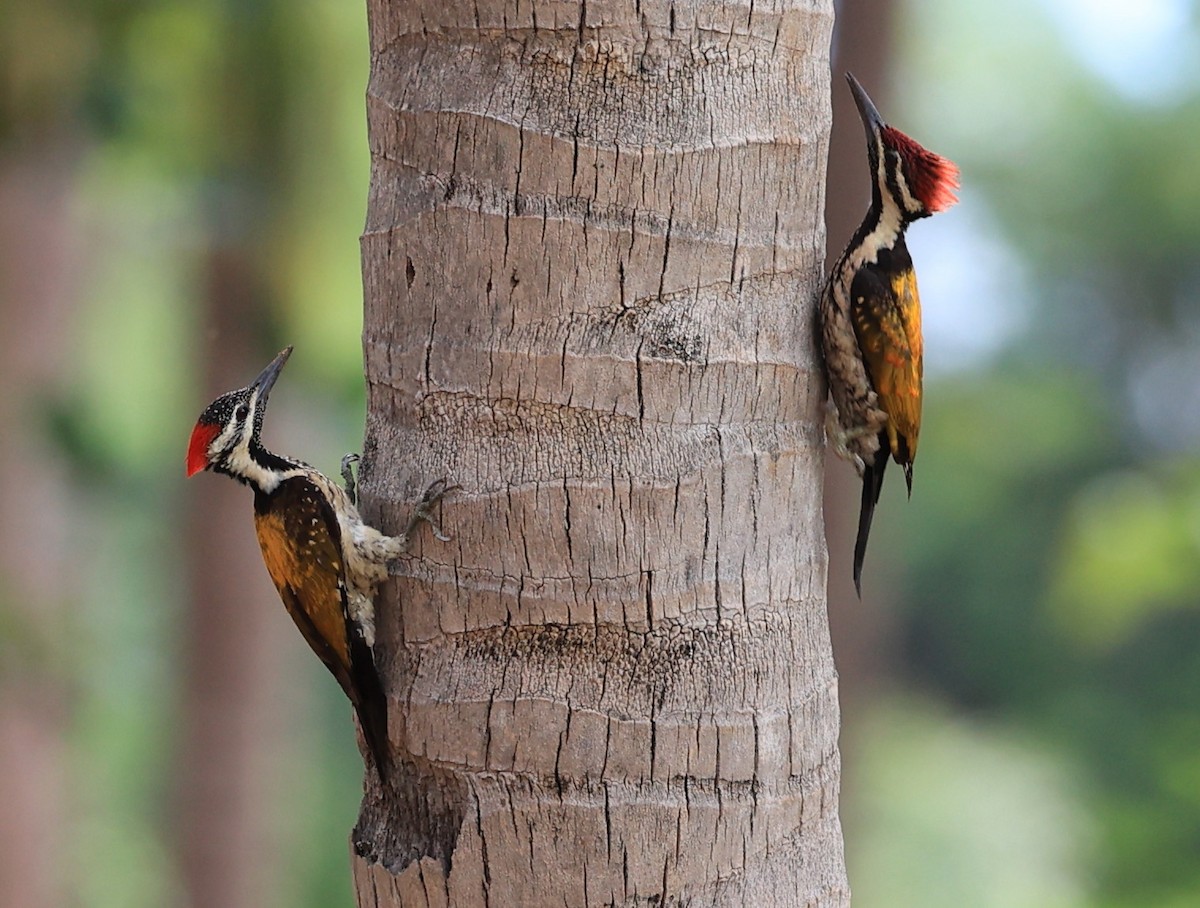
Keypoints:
pixel 182 185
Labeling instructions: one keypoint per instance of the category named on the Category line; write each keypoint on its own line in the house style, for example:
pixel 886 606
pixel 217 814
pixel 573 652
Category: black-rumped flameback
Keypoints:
pixel 870 314
pixel 325 562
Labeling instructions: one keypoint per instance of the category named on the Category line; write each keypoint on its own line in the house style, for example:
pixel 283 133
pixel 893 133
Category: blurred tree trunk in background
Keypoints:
pixel 235 730
pixel 593 241
pixel 233 673
pixel 861 630
pixel 38 297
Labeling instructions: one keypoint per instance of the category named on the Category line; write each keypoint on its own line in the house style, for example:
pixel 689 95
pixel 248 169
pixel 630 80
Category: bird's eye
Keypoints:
pixel 243 411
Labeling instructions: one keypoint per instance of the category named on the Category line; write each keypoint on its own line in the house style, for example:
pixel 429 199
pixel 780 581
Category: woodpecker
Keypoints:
pixel 870 314
pixel 324 560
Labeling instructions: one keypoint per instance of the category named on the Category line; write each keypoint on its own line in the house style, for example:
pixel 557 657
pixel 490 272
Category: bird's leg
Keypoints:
pixel 840 437
pixel 348 462
pixel 424 511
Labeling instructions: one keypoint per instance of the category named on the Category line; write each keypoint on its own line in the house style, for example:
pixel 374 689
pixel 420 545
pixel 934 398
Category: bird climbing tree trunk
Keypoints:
pixel 594 239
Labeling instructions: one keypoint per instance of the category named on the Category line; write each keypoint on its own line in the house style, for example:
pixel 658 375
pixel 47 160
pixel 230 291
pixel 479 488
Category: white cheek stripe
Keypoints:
pixel 910 201
pixel 240 461
pixel 248 426
pixel 221 442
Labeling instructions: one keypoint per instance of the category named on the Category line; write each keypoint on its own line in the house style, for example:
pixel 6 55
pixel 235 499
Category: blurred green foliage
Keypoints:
pixel 188 126
pixel 962 813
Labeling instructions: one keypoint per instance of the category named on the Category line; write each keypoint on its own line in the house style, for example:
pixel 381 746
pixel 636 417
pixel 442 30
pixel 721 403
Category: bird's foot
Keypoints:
pixel 424 511
pixel 839 438
pixel 842 439
pixel 348 462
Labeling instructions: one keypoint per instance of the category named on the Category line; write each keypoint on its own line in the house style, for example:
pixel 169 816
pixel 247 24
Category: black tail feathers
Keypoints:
pixel 872 486
pixel 370 703
pixel 372 717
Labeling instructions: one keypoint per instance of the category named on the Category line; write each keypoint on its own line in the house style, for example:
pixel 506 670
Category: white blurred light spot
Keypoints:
pixel 1143 49
pixel 973 296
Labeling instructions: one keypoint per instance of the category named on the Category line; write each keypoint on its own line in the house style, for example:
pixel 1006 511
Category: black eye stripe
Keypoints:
pixel 893 173
pixel 892 181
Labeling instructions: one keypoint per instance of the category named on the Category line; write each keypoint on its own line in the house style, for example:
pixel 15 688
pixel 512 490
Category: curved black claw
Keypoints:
pixel 348 462
pixel 438 489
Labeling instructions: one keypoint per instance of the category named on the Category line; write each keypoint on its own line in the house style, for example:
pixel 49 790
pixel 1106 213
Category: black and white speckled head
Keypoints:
pixel 226 437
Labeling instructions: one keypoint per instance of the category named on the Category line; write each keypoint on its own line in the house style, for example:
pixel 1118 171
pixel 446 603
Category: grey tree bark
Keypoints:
pixel 594 238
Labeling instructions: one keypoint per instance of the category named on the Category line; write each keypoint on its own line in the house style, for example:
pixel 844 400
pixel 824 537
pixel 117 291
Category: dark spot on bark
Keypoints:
pixel 664 333
pixel 687 348
pixel 410 273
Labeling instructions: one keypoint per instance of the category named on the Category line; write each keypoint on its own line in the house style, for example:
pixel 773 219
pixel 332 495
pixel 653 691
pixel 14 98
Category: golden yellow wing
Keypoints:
pixel 886 311
pixel 305 562
pixel 301 545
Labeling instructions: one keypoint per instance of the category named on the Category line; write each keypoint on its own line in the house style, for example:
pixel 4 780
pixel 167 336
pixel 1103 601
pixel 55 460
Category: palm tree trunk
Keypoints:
pixel 593 240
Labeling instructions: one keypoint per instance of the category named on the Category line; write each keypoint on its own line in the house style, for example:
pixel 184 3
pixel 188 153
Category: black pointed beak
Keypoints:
pixel 872 121
pixel 266 378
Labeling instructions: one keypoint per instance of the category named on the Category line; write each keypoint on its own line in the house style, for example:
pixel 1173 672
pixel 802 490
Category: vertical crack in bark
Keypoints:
pixel 566 487
pixel 641 391
pixel 429 345
pixel 650 600
pixel 483 852
pixel 559 786
pixel 662 273
pixel 608 821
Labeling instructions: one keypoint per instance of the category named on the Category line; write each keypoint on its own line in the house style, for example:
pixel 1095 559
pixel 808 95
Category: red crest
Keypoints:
pixel 932 178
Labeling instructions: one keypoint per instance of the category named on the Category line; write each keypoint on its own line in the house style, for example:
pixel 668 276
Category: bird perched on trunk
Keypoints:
pixel 870 314
pixel 325 562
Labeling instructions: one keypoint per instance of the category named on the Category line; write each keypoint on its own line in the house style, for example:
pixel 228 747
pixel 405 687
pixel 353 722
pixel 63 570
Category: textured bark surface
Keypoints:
pixel 594 238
